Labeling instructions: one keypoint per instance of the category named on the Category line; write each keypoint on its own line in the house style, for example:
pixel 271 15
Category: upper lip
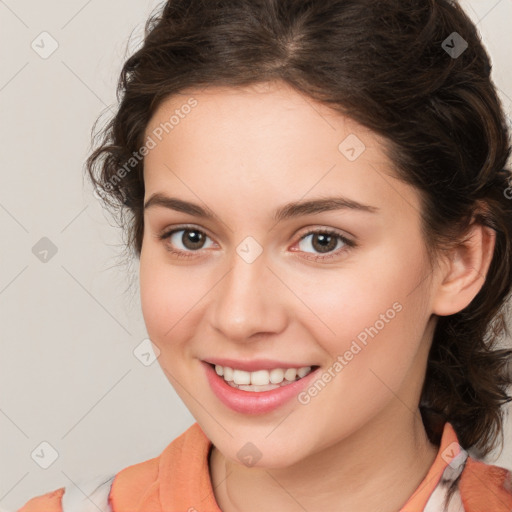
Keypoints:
pixel 254 364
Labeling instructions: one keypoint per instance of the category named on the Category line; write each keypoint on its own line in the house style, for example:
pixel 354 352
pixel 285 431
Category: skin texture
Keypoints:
pixel 359 444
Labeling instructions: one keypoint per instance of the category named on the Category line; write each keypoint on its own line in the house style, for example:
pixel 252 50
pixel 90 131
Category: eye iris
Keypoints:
pixel 191 239
pixel 324 239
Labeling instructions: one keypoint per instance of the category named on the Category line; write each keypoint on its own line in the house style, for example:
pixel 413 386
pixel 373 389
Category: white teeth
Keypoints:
pixel 290 374
pixel 253 388
pixel 276 375
pixel 302 372
pixel 265 378
pixel 241 377
pixel 260 378
pixel 228 373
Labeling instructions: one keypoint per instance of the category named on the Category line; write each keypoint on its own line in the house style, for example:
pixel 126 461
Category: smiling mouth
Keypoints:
pixel 261 380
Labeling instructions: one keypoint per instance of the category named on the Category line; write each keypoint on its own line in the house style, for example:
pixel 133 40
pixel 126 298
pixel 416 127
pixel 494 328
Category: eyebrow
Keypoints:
pixel 287 211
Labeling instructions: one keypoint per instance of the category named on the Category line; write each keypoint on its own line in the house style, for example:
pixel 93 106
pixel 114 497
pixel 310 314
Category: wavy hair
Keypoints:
pixel 401 69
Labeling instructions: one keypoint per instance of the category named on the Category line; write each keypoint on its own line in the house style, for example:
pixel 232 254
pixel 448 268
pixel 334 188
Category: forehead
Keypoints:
pixel 265 140
pixel 251 113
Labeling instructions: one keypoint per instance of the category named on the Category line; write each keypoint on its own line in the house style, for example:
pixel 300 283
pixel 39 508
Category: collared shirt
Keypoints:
pixel 178 480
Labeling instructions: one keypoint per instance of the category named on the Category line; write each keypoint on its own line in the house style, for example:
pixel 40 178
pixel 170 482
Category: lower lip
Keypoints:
pixel 254 402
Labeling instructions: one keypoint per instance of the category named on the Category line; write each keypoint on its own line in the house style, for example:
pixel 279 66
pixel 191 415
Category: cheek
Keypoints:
pixel 154 301
pixel 371 312
pixel 171 301
pixel 375 327
pixel 162 295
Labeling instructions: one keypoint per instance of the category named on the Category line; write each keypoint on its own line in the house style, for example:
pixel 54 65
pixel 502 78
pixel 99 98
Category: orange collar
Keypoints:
pixel 179 480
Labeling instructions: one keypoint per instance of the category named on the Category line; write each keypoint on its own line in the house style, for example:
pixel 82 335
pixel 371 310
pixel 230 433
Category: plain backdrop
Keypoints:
pixel 69 322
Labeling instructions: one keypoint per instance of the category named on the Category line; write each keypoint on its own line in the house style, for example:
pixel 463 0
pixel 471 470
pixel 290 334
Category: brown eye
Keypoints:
pixel 185 240
pixel 325 242
pixel 192 239
pixel 322 242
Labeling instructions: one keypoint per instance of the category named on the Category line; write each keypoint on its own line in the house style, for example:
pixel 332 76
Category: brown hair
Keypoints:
pixel 391 66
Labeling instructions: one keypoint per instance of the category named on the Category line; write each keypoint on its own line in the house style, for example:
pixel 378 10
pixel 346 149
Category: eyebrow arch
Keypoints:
pixel 289 210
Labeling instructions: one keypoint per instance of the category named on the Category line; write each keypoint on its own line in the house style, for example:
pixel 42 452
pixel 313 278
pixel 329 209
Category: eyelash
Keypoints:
pixel 349 244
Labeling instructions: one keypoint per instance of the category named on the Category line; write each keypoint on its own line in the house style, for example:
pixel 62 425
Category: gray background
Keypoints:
pixel 69 325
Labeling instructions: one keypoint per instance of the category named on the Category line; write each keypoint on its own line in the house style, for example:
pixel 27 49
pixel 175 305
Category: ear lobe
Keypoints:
pixel 465 271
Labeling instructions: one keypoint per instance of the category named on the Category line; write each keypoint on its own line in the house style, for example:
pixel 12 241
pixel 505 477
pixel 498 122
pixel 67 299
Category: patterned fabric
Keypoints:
pixel 88 497
pixel 178 480
pixel 438 500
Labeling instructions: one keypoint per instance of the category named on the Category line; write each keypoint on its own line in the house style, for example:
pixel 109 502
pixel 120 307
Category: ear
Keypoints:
pixel 464 271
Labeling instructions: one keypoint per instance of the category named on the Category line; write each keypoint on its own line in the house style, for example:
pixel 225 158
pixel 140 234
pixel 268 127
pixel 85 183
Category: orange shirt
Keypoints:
pixel 178 481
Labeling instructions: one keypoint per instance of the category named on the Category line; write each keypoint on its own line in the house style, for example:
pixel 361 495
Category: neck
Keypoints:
pixel 376 468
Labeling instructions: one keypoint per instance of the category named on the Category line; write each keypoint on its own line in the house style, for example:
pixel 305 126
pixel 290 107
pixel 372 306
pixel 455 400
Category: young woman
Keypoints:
pixel 318 195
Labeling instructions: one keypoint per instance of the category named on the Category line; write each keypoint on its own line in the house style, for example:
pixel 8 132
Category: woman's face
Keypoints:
pixel 246 286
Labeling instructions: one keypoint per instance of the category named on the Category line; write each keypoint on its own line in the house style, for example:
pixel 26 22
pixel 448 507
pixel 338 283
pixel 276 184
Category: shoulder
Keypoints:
pixel 49 502
pixel 486 487
pixel 86 496
pixel 106 493
pixel 132 483
pixel 139 485
pixel 184 459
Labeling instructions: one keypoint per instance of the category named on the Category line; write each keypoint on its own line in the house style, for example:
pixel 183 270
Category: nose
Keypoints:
pixel 249 303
